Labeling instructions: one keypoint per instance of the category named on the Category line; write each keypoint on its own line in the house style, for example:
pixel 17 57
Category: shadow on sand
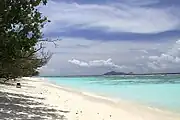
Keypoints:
pixel 18 106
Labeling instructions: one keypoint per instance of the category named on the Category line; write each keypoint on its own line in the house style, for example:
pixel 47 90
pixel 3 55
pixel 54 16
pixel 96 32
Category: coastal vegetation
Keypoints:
pixel 21 38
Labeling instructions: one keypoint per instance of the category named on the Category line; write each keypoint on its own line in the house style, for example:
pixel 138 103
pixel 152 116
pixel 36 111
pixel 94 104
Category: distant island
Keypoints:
pixel 116 73
pixel 131 73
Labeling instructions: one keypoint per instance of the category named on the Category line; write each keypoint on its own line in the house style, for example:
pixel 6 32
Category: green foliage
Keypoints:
pixel 20 31
pixel 21 24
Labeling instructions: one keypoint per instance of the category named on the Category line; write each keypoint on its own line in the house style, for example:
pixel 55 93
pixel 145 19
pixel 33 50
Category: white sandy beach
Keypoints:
pixel 63 103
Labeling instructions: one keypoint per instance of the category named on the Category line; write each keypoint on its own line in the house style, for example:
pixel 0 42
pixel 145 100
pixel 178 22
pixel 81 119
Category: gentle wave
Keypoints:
pixel 157 91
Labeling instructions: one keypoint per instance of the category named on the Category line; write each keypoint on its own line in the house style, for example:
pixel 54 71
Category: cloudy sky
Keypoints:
pixel 102 35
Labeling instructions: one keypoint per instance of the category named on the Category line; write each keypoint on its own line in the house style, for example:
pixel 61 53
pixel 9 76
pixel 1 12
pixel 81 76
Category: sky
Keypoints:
pixel 97 36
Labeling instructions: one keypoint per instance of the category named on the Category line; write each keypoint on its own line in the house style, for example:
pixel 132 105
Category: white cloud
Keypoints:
pixel 80 63
pixel 168 59
pixel 127 16
pixel 93 57
pixel 114 17
pixel 97 63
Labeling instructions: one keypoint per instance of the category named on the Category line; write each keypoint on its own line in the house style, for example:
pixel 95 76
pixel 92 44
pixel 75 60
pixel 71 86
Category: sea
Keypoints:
pixel 159 91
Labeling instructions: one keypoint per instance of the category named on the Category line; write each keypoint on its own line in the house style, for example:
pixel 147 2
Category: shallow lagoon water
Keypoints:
pixel 156 91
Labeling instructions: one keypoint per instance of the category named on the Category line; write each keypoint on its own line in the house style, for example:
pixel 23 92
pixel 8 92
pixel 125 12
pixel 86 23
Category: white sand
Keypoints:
pixel 85 106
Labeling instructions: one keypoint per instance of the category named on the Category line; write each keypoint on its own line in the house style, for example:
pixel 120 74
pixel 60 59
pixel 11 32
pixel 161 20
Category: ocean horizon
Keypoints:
pixel 159 91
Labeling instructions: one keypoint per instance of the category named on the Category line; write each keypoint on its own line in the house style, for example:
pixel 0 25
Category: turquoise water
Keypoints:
pixel 157 91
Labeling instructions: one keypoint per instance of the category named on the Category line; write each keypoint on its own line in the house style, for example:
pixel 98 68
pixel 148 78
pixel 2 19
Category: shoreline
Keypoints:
pixel 110 100
pixel 107 98
pixel 77 105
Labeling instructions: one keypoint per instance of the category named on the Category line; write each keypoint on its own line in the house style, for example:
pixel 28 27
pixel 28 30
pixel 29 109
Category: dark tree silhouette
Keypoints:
pixel 20 32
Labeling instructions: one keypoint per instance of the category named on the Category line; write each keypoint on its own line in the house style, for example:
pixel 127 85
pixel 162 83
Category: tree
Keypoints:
pixel 23 67
pixel 20 31
pixel 20 26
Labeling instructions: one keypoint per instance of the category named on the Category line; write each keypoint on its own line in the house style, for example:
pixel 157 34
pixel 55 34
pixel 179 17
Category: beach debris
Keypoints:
pixel 18 85
pixel 110 115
